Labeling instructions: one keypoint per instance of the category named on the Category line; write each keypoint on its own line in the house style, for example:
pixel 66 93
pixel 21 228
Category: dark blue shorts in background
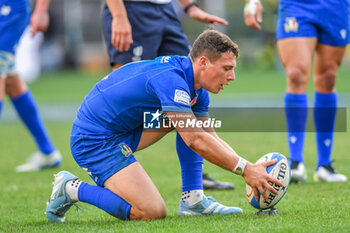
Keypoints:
pixel 156 31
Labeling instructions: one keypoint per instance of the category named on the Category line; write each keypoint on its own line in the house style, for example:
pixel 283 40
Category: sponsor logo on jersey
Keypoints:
pixel 182 97
pixel 291 25
pixel 125 149
pixel 165 59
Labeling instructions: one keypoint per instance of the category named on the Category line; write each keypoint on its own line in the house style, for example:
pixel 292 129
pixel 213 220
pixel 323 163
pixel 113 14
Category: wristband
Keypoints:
pixel 239 169
pixel 250 7
pixel 189 6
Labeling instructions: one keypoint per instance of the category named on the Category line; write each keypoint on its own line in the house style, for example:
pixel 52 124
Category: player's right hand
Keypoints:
pixel 39 21
pixel 121 36
pixel 253 14
pixel 256 177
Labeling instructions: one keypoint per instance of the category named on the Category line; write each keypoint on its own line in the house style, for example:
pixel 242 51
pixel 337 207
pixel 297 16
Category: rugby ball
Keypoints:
pixel 279 170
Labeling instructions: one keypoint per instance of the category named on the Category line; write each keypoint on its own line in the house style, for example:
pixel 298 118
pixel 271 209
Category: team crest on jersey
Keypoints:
pixel 182 97
pixel 125 149
pixel 291 25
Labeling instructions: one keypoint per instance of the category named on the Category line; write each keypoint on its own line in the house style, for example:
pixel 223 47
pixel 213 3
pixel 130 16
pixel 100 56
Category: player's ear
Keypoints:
pixel 203 62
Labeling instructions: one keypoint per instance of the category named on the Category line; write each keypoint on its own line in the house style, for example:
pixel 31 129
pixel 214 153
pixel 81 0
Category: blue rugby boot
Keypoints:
pixel 207 206
pixel 59 202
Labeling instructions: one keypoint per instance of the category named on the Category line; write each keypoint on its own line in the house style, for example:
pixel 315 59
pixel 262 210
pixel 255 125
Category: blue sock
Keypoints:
pixel 28 112
pixel 324 118
pixel 191 166
pixel 296 115
pixel 0 107
pixel 105 200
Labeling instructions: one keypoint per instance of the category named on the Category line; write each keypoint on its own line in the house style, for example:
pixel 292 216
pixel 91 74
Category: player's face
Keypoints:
pixel 219 73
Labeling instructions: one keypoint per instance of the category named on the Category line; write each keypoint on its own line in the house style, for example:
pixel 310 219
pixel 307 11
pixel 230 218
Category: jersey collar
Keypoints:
pixel 188 69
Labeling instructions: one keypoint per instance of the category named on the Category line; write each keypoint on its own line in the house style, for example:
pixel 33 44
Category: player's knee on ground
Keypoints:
pixel 325 82
pixel 297 78
pixel 153 211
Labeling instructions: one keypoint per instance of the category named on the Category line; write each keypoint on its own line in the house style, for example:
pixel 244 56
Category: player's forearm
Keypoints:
pixel 213 150
pixel 188 5
pixel 224 144
pixel 117 8
pixel 42 6
pixel 185 3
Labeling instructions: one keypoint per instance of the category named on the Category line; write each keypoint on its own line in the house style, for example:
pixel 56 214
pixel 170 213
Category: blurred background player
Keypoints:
pixel 108 129
pixel 144 30
pixel 14 17
pixel 307 30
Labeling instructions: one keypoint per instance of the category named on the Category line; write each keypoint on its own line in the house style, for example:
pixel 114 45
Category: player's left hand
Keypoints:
pixel 253 14
pixel 200 15
pixel 39 22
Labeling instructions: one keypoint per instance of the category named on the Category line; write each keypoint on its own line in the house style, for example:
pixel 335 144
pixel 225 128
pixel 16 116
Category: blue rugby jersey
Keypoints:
pixel 115 106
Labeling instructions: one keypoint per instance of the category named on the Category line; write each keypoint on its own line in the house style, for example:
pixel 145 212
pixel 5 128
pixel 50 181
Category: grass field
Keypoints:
pixel 311 207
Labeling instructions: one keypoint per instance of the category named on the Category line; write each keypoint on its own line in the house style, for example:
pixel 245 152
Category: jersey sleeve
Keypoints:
pixel 171 90
pixel 201 106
